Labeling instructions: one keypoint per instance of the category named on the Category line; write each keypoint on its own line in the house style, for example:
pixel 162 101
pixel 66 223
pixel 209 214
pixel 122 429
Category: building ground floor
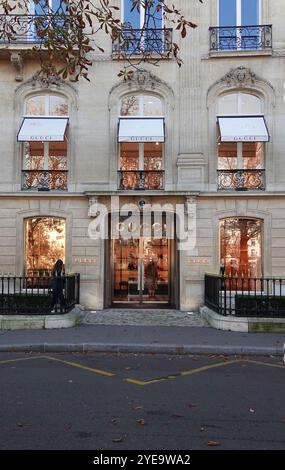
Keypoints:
pixel 143 250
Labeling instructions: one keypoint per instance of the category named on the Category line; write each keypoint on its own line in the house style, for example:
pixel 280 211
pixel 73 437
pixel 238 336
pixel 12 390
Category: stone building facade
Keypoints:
pixel 210 139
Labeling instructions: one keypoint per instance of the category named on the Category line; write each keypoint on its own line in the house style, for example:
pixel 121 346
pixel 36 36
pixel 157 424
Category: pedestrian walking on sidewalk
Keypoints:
pixel 57 285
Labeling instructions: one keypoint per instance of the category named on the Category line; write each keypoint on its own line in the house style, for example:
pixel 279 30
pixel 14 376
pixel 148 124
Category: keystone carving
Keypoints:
pixel 17 61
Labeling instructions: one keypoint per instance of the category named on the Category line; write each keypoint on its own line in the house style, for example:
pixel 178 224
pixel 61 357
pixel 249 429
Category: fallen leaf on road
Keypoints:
pixel 141 421
pixel 114 420
pixel 251 410
pixel 118 439
pixel 213 443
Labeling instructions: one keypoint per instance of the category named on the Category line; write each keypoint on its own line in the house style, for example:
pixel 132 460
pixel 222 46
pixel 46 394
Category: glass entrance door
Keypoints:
pixel 141 270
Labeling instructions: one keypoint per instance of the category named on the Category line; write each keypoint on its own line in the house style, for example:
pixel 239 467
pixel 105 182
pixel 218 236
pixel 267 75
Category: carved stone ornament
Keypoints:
pixel 239 77
pixel 92 207
pixel 17 61
pixel 45 81
pixel 142 79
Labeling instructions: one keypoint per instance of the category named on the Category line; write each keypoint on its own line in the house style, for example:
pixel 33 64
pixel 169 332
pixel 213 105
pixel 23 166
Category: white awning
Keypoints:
pixel 141 130
pixel 243 129
pixel 43 129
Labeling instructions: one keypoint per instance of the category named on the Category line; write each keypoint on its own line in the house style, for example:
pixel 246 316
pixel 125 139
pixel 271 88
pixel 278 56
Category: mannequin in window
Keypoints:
pixel 151 277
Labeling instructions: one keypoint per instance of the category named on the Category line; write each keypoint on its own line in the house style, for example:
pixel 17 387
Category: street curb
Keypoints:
pixel 143 348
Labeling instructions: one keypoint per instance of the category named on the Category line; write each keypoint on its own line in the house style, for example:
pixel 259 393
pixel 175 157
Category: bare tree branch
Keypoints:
pixel 63 39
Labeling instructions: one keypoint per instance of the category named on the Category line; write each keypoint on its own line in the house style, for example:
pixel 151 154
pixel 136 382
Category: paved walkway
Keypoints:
pixel 149 317
pixel 142 338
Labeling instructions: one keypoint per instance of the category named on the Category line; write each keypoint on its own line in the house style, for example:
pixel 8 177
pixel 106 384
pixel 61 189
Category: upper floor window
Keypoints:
pixel 239 27
pixel 239 103
pixel 242 133
pixel 46 105
pixel 144 31
pixel 43 133
pixel 137 17
pixel 141 139
pixel 43 7
pixel 239 12
pixel 140 105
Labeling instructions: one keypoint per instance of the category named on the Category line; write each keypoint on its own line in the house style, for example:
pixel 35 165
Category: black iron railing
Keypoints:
pixel 44 180
pixel 245 297
pixel 234 38
pixel 140 179
pixel 138 41
pixel 29 29
pixel 241 180
pixel 21 295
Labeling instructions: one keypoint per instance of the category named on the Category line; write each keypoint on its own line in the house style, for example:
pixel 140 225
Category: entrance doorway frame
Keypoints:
pixel 174 279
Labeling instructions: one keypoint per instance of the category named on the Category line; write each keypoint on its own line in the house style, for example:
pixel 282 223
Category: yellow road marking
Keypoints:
pixel 145 382
pixel 260 363
pixel 80 366
pixel 211 366
pixel 7 361
pixel 183 374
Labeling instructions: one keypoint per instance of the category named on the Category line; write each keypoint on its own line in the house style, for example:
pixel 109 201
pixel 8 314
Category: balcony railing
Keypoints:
pixel 44 180
pixel 32 294
pixel 136 179
pixel 241 38
pixel 138 41
pixel 241 180
pixel 245 297
pixel 30 29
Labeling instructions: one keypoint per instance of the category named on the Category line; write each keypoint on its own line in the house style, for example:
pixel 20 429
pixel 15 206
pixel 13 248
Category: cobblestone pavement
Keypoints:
pixel 145 317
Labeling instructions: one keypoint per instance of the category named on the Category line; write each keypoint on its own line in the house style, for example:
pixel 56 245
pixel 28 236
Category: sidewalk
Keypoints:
pixel 142 332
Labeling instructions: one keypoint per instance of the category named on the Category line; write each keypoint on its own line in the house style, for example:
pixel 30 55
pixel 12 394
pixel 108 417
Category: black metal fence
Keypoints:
pixel 245 297
pixel 22 295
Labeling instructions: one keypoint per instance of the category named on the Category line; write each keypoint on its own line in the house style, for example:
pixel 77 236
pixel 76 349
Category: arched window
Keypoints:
pixel 239 104
pixel 141 156
pixel 242 133
pixel 46 105
pixel 241 247
pixel 44 244
pixel 45 156
pixel 141 105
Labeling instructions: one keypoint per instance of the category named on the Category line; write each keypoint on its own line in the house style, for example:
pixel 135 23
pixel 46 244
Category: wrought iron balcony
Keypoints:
pixel 137 179
pixel 241 180
pixel 44 180
pixel 138 41
pixel 241 38
pixel 31 29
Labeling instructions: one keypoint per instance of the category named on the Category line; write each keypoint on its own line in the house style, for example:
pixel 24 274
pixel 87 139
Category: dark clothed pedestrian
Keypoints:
pixel 57 285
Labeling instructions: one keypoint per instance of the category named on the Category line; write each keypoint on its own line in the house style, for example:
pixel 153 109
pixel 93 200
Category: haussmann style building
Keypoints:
pixel 208 137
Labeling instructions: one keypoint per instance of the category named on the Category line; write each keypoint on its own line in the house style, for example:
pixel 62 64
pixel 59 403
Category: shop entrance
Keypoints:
pixel 142 268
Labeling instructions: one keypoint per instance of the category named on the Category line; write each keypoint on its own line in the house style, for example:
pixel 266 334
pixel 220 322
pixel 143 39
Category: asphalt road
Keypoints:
pixel 119 402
